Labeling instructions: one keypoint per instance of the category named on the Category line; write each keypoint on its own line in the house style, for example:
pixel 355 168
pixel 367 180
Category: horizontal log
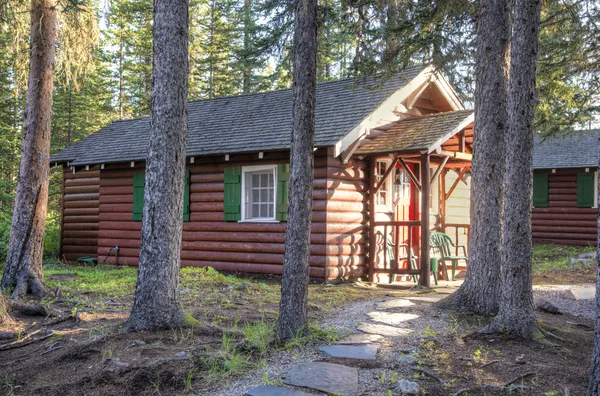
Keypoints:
pixel 110 199
pixel 207 178
pixel 81 234
pixel 345 272
pixel 207 207
pixel 561 178
pixel 80 226
pixel 340 195
pixel 111 216
pixel 119 234
pixel 566 210
pixel 207 197
pixel 80 219
pixel 117 190
pixel 562 223
pixel 81 250
pixel 562 204
pixel 340 206
pixel 238 257
pixel 343 185
pixel 557 229
pixel 116 208
pixel 94 188
pixel 93 242
pixel 560 241
pixel 116 181
pixel 206 187
pixel 562 191
pixel 121 225
pixel 565 235
pixel 207 216
pixel 84 181
pixel 565 217
pixel 123 260
pixel 81 204
pixel 81 197
pixel 563 197
pixel 126 243
pixel 81 211
pixel 556 184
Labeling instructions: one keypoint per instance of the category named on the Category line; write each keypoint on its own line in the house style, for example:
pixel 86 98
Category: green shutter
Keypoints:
pixel 138 195
pixel 585 190
pixel 233 193
pixel 540 190
pixel 186 196
pixel 283 178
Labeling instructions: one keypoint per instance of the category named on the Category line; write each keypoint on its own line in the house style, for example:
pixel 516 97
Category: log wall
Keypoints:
pixel 562 221
pixel 339 240
pixel 80 208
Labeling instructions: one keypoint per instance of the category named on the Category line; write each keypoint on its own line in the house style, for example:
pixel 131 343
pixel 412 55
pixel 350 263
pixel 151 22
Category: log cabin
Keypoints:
pixel 392 162
pixel 565 188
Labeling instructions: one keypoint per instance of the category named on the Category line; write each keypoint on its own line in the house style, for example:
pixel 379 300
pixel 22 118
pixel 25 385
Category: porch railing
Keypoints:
pixel 459 229
pixel 394 242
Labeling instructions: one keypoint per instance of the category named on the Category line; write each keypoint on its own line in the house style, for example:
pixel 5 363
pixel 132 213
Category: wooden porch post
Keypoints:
pixel 372 216
pixel 425 187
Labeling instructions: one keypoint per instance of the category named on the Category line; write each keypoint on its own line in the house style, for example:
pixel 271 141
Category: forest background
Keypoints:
pixel 104 63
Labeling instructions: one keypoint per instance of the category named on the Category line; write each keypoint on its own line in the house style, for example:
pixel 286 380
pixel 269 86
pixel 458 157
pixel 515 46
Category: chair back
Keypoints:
pixel 441 242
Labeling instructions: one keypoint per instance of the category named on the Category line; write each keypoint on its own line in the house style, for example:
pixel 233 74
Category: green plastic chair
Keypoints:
pixel 442 249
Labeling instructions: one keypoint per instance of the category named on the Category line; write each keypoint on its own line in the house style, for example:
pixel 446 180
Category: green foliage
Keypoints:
pixel 106 281
pixel 259 335
pixel 549 257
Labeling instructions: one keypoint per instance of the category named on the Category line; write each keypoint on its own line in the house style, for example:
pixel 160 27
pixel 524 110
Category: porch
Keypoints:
pixel 415 167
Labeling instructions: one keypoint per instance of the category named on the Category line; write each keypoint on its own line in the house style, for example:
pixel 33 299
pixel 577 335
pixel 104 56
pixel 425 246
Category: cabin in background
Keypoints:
pixel 392 163
pixel 565 188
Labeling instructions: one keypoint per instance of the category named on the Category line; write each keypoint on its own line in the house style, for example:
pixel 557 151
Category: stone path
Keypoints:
pixel 342 379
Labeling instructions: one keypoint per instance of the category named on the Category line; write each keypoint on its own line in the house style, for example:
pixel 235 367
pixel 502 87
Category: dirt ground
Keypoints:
pixel 81 352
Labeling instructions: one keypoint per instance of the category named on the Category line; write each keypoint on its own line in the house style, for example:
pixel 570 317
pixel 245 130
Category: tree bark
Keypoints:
pixel 156 304
pixel 480 291
pixel 516 315
pixel 294 284
pixel 594 387
pixel 23 269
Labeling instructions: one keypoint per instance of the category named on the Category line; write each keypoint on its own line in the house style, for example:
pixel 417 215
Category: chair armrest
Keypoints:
pixel 464 249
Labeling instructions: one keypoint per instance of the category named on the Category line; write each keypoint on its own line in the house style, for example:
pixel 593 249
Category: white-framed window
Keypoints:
pixel 384 195
pixel 401 184
pixel 259 192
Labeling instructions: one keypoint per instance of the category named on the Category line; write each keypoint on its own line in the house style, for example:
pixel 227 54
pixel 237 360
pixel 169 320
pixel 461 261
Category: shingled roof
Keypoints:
pixel 577 149
pixel 245 123
pixel 418 133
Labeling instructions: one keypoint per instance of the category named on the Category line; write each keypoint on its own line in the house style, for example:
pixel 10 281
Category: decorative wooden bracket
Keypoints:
pixel 386 174
pixel 410 174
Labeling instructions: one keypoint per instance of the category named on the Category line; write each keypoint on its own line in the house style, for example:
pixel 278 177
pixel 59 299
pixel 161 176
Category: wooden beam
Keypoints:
pixel 386 174
pixel 462 173
pixel 438 170
pixel 372 216
pixel 461 141
pixel 410 174
pixel 425 265
pixel 457 155
pixel 412 98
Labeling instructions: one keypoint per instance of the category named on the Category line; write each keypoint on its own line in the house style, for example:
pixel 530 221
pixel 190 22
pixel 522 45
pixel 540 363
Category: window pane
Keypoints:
pixel 255 195
pixel 264 180
pixel 264 195
pixel 255 210
pixel 255 179
pixel 271 210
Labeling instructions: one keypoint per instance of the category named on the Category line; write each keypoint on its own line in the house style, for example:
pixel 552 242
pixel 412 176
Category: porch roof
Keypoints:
pixel 418 134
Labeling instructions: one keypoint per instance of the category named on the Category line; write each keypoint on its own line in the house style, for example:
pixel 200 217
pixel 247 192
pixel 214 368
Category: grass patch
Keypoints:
pixel 102 280
pixel 547 257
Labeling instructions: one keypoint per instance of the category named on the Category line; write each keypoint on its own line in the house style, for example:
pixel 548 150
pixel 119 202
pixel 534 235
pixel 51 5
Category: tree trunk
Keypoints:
pixel 246 69
pixel 156 304
pixel 480 291
pixel 294 284
pixel 594 387
pixel 23 269
pixel 516 315
pixel 391 40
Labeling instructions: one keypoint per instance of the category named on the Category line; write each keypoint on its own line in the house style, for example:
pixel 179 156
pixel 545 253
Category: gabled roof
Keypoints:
pixel 418 133
pixel 246 123
pixel 577 149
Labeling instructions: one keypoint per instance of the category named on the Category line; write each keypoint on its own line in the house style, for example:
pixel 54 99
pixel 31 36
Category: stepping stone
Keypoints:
pixel 268 390
pixel 326 377
pixel 433 298
pixel 383 330
pixel 392 319
pixel 397 303
pixel 581 293
pixel 360 338
pixel 362 352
